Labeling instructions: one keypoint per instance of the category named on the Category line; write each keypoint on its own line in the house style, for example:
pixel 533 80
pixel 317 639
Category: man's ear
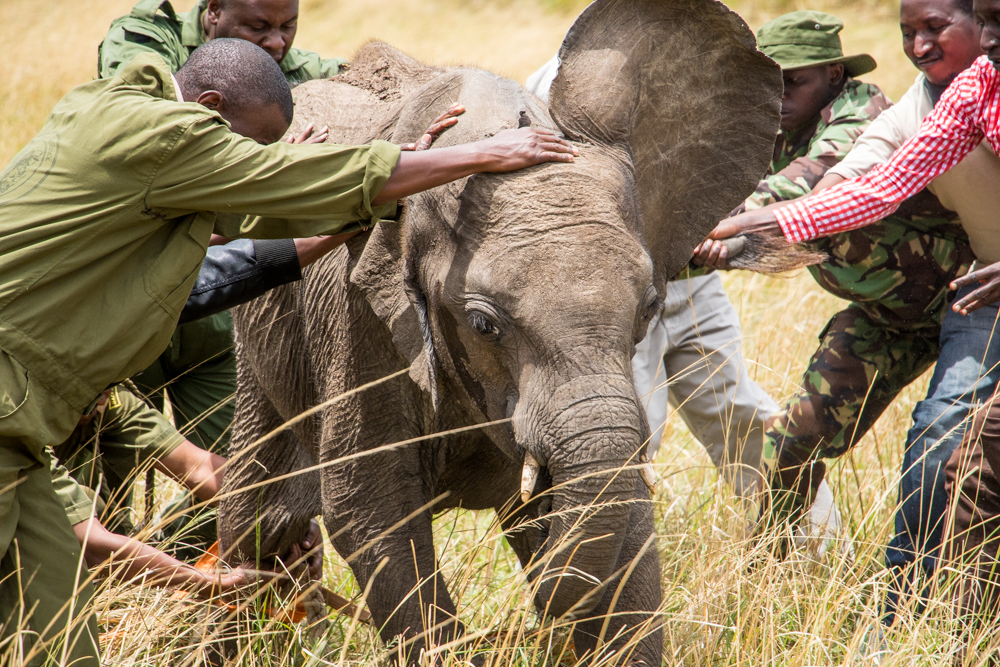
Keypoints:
pixel 837 74
pixel 212 12
pixel 211 99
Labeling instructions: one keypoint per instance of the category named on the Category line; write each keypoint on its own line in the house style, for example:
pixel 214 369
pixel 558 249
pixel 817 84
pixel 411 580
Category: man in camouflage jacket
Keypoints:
pixel 894 274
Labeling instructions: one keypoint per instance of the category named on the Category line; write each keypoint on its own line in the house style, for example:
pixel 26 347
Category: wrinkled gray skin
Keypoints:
pixel 513 297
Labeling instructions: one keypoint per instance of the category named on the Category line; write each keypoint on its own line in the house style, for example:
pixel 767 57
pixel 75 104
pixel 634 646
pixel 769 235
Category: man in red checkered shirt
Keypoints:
pixel 967 114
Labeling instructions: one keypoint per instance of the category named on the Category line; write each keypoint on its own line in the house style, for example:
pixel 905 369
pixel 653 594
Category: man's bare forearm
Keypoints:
pixel 311 249
pixel 127 558
pixel 199 470
pixel 509 150
pixel 423 170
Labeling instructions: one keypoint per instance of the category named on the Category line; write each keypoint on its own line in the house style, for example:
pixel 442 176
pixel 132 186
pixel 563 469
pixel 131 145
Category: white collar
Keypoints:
pixel 177 89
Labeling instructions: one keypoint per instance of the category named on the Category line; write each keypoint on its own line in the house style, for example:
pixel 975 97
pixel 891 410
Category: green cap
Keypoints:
pixel 807 39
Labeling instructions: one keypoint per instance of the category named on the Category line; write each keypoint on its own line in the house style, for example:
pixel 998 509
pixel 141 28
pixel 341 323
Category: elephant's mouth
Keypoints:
pixel 540 492
pixel 537 486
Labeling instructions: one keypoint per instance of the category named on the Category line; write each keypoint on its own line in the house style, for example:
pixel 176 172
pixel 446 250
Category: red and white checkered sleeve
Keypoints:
pixel 945 137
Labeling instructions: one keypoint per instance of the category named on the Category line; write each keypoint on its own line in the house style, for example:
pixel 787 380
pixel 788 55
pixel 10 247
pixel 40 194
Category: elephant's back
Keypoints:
pixel 360 104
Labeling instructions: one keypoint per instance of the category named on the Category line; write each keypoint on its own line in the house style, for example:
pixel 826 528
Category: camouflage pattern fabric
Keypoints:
pixel 858 370
pixel 802 158
pixel 895 273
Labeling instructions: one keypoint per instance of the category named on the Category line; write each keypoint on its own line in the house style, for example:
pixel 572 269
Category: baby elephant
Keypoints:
pixel 506 305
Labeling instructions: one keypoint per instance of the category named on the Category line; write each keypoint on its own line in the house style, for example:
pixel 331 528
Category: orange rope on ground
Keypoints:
pixel 209 562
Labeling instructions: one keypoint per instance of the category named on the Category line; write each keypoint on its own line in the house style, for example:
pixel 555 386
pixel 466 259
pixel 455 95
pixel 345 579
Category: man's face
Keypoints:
pixel 938 38
pixel 270 24
pixel 988 19
pixel 807 91
pixel 265 126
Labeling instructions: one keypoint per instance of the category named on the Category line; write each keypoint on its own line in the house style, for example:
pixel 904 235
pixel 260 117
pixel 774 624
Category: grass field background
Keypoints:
pixel 805 611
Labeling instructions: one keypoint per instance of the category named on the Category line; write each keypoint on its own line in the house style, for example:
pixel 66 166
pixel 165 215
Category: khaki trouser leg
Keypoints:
pixel 40 572
pixel 691 358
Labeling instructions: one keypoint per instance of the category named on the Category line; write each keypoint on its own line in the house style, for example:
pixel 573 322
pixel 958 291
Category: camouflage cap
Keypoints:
pixel 807 39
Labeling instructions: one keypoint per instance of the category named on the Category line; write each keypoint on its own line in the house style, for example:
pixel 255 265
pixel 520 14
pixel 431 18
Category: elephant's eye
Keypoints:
pixel 484 326
pixel 651 306
pixel 646 314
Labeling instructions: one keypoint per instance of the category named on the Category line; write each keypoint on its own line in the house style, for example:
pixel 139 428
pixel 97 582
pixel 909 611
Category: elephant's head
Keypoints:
pixel 525 293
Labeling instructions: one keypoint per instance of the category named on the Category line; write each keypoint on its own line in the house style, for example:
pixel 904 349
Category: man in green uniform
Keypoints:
pixel 888 335
pixel 90 474
pixel 114 444
pixel 104 220
pixel 154 27
pixel 198 368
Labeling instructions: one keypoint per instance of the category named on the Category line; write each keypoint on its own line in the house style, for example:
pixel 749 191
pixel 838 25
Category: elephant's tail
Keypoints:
pixel 764 254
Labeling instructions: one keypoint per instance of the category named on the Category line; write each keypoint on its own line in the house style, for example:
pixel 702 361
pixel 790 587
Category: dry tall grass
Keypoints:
pixel 800 612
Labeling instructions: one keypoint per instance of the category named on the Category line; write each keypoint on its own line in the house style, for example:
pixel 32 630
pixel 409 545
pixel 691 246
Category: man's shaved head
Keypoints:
pixel 243 83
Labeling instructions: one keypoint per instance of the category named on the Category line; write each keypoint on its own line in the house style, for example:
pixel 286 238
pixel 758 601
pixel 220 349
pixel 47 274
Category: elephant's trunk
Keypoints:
pixel 589 435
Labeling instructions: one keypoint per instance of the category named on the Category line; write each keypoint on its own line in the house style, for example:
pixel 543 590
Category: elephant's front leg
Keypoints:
pixel 634 627
pixel 377 517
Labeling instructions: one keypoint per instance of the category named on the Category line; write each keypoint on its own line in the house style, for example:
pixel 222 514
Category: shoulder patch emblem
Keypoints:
pixel 29 168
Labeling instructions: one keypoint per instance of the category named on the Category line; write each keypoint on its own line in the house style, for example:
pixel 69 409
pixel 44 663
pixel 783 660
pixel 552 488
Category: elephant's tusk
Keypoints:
pixel 648 476
pixel 529 475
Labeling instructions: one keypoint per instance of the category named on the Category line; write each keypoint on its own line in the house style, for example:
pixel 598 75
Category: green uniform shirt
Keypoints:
pixel 874 266
pixel 106 214
pixel 154 27
pixel 95 467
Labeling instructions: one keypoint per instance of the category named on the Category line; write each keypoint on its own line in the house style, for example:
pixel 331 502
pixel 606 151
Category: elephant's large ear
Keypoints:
pixel 680 86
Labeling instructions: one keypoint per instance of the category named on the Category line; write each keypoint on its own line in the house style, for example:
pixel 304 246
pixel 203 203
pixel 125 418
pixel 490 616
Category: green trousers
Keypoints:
pixel 45 614
pixel 857 371
pixel 43 578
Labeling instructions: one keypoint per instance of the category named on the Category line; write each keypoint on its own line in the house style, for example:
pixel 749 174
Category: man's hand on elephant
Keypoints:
pixel 223 585
pixel 312 546
pixel 511 150
pixel 440 124
pixel 761 222
pixel 308 550
pixel 712 254
pixel 307 136
pixel 989 278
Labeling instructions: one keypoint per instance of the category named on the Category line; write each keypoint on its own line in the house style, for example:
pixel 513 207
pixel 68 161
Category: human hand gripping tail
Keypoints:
pixel 713 251
pixel 758 240
pixel 440 124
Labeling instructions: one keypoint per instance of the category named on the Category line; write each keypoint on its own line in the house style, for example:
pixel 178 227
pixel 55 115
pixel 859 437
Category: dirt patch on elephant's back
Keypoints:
pixel 349 112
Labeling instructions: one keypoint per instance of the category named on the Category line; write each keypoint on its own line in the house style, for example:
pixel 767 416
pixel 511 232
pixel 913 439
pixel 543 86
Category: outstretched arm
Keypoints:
pixel 127 558
pixel 509 150
pixel 945 137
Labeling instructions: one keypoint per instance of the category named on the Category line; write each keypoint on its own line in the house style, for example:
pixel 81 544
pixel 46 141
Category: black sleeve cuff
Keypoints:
pixel 278 261
pixel 239 272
